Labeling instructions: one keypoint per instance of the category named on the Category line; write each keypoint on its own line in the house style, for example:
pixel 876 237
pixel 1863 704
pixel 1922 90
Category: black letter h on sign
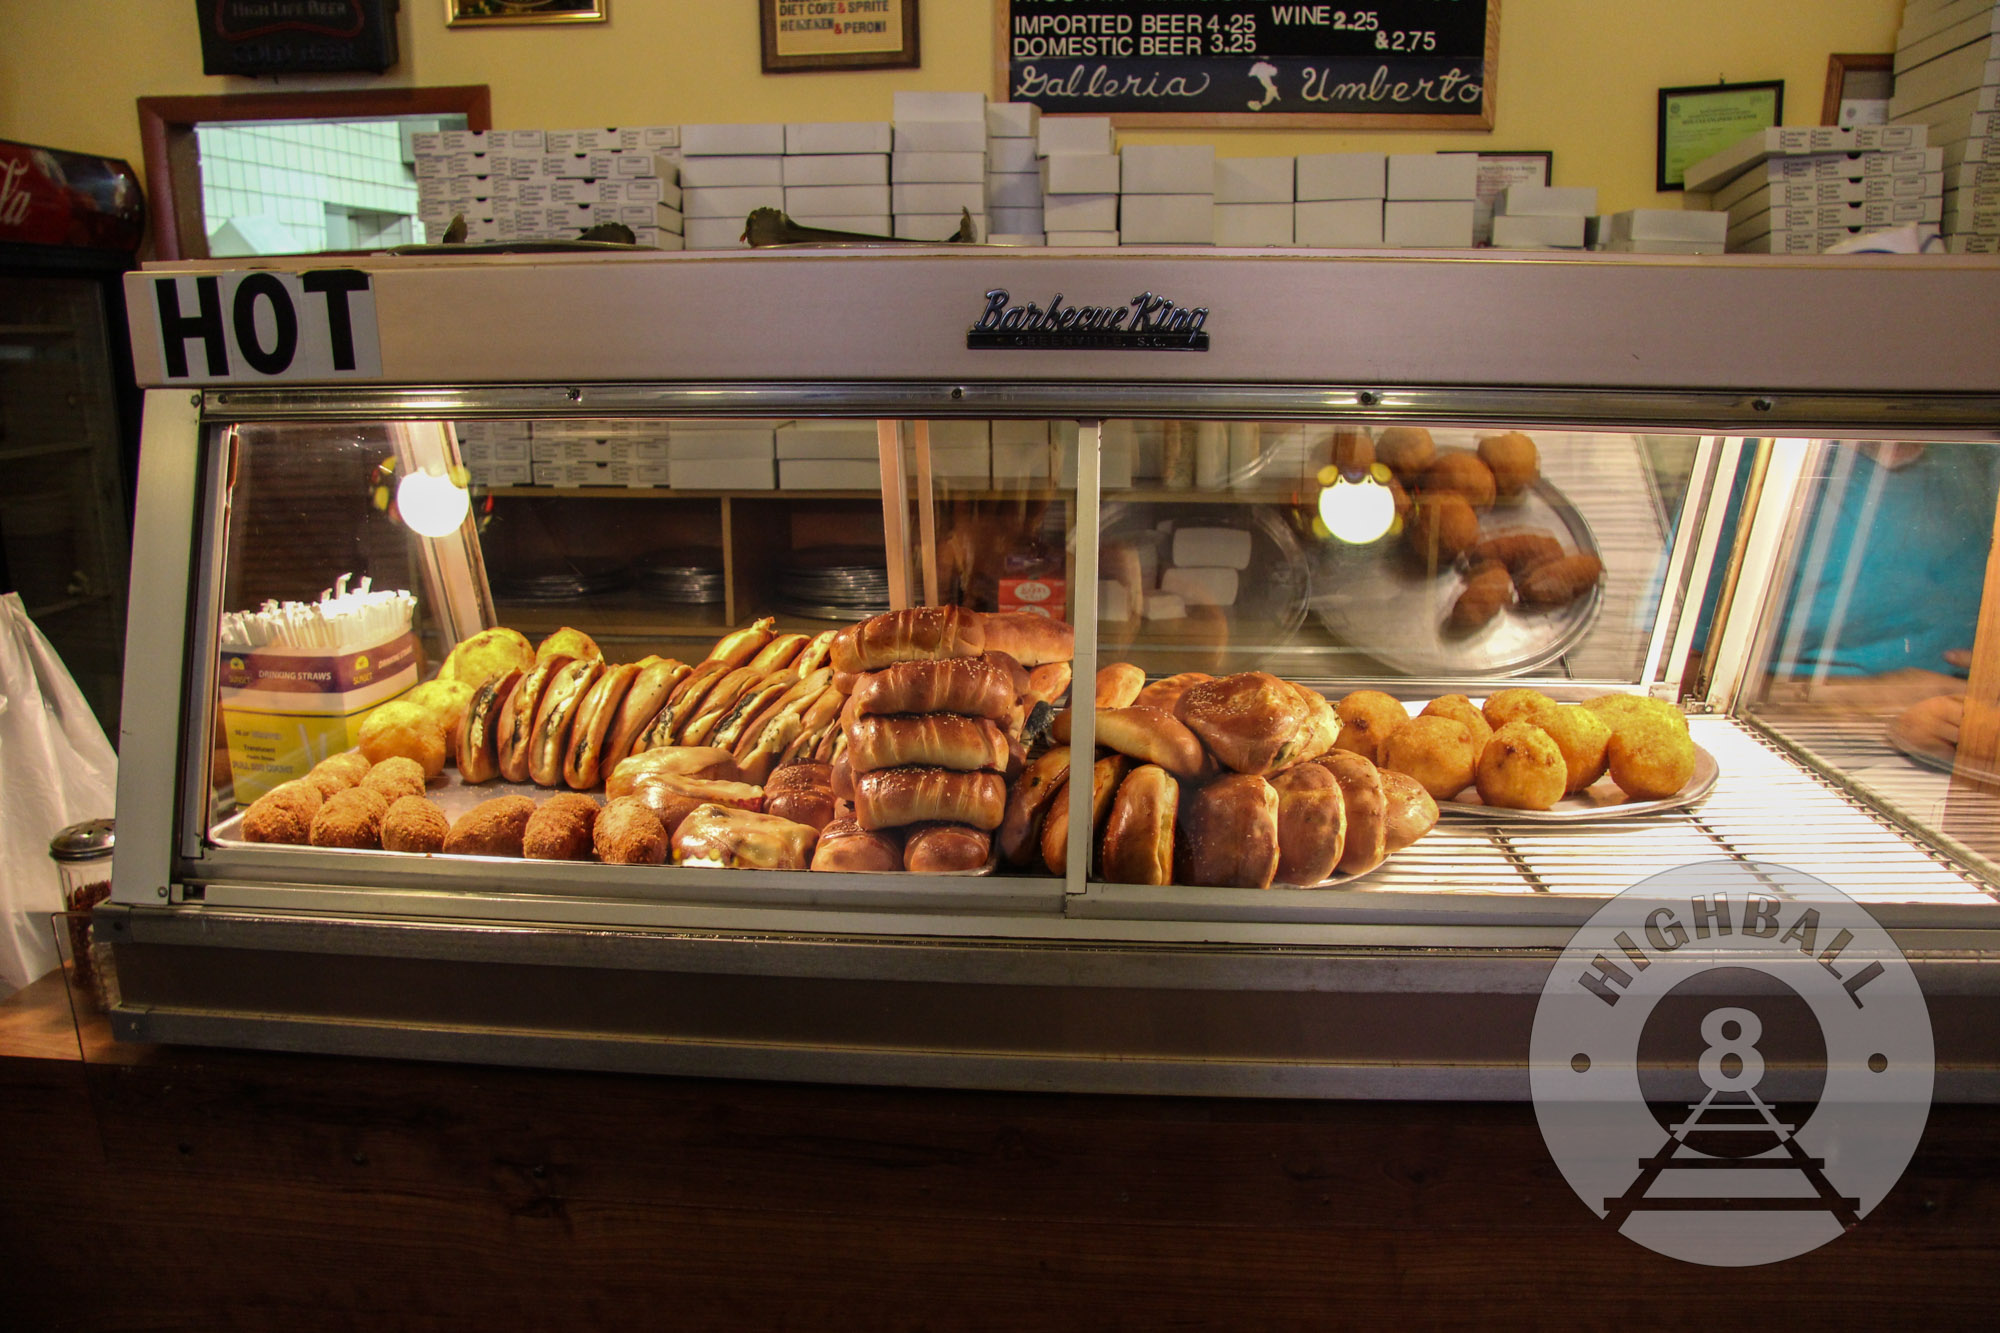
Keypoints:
pixel 176 328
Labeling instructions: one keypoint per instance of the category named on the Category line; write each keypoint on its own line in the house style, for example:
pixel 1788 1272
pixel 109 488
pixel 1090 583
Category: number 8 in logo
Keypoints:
pixel 1731 1062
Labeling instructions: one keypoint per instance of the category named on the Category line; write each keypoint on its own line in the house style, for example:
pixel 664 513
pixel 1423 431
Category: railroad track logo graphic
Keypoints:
pixel 1732 1063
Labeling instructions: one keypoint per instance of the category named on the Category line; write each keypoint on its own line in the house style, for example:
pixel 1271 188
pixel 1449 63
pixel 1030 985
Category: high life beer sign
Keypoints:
pixel 1147 323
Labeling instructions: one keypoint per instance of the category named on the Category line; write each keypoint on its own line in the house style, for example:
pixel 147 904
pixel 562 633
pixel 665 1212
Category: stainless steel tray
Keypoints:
pixel 1601 801
pixel 1377 601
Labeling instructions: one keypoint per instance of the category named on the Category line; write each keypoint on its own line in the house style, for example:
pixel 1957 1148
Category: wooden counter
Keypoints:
pixel 193 1188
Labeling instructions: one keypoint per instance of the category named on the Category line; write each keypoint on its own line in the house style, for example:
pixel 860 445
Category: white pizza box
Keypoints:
pixel 867 224
pixel 1968 221
pixel 1428 222
pixel 1255 180
pixel 1810 241
pixel 1976 151
pixel 1948 76
pixel 1337 223
pixel 802 201
pixel 1321 176
pixel 626 166
pixel 1201 585
pixel 837 169
pixel 1253 224
pixel 1836 190
pixel 1985 196
pixel 938 168
pixel 1019 240
pixel 1799 141
pixel 1074 134
pixel 1433 176
pixel 705 173
pixel 502 474
pixel 935 226
pixel 963 463
pixel 1533 231
pixel 1979 125
pixel 723 439
pixel 841 137
pixel 1978 32
pixel 1955 109
pixel 651 191
pixel 1806 217
pixel 938 198
pixel 1021 462
pixel 735 202
pixel 731 140
pixel 722 474
pixel 1166 219
pixel 1921 18
pixel 1014 190
pixel 652 215
pixel 1181 169
pixel 1972 245
pixel 1080 173
pixel 1665 224
pixel 578 166
pixel 1652 247
pixel 1972 176
pixel 1838 166
pixel 1080 212
pixel 714 233
pixel 1013 120
pixel 940 136
pixel 1016 221
pixel 915 105
pixel 615 138
pixel 1080 240
pixel 478 141
pixel 825 439
pixel 960 433
pixel 829 474
pixel 1560 201
pixel 1012 155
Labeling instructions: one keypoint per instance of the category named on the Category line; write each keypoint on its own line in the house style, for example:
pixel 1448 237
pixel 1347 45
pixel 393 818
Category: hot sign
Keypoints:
pixel 265 326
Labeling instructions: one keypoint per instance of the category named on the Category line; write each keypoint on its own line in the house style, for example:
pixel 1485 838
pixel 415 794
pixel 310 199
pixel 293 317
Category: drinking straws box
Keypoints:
pixel 298 678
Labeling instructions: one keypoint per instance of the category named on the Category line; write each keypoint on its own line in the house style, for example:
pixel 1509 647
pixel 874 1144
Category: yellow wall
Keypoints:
pixel 1578 77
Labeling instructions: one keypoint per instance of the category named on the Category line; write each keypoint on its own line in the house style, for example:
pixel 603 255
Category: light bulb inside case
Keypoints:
pixel 431 504
pixel 1357 512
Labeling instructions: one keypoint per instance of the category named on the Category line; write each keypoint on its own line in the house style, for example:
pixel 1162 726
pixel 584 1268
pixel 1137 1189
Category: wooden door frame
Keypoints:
pixel 173 173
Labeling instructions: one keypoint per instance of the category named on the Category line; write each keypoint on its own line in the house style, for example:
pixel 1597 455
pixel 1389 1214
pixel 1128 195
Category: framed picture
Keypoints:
pixel 1699 122
pixel 1857 89
pixel 497 13
pixel 1497 171
pixel 841 34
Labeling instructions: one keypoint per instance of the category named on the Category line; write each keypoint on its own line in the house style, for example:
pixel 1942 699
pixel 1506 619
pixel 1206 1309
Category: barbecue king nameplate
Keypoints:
pixel 1147 323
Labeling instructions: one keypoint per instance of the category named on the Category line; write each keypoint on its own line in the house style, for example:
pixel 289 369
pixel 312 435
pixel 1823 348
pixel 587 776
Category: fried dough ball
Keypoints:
pixel 283 814
pixel 350 818
pixel 1614 708
pixel 627 833
pixel 1367 719
pixel 567 642
pixel 1461 473
pixel 1438 752
pixel 1440 527
pixel 487 654
pixel 1650 758
pixel 338 772
pixel 445 700
pixel 1582 737
pixel 1521 769
pixel 403 729
pixel 1517 705
pixel 491 828
pixel 1460 709
pixel 1352 450
pixel 560 829
pixel 395 778
pixel 1489 590
pixel 1514 461
pixel 1407 450
pixel 414 824
pixel 1559 582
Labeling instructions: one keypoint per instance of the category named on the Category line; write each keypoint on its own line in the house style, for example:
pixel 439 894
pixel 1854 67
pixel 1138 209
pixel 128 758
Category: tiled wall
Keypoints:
pixel 306 187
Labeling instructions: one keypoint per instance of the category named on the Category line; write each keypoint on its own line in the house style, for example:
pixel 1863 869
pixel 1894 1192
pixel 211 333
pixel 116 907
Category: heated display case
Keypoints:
pixel 1761 489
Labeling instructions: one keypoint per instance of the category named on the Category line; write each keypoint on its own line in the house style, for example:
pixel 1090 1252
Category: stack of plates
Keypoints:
pixel 834 583
pixel 686 574
pixel 576 578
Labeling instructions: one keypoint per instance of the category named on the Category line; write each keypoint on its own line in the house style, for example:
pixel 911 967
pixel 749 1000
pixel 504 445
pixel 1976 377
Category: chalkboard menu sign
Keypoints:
pixel 1416 64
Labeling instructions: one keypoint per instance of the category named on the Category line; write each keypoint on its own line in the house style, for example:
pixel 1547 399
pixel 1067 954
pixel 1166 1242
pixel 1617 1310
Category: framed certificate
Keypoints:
pixel 838 34
pixel 1699 122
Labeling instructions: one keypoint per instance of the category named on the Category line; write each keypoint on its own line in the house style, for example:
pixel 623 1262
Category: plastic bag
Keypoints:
pixel 56 768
